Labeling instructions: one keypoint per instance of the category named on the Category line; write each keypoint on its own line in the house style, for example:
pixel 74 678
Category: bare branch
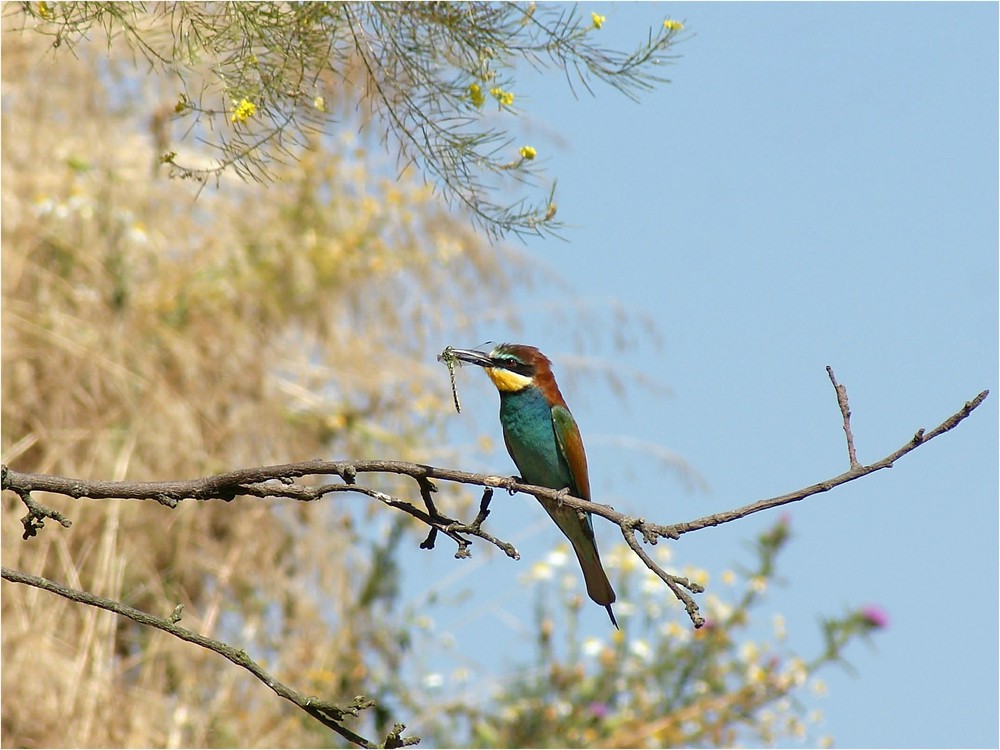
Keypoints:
pixel 279 481
pixel 918 439
pixel 327 713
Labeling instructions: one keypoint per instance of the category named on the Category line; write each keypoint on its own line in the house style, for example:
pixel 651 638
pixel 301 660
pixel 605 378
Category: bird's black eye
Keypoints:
pixel 514 365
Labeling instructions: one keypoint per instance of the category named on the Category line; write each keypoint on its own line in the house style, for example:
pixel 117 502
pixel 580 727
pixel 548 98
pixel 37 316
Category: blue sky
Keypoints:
pixel 816 186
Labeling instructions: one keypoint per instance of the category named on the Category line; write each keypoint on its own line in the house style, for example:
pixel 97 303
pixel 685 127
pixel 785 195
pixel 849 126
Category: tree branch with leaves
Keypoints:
pixel 259 79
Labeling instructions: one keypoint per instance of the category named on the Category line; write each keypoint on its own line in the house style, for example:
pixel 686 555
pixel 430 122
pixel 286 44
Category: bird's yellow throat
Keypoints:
pixel 507 381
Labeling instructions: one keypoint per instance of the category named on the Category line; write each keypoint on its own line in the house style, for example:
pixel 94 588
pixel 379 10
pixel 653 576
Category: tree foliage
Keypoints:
pixel 437 81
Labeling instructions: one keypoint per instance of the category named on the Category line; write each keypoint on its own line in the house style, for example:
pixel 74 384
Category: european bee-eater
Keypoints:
pixel 543 439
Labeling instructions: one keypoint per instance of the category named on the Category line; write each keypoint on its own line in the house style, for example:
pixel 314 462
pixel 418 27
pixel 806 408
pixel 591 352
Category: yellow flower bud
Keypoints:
pixel 244 111
pixel 476 95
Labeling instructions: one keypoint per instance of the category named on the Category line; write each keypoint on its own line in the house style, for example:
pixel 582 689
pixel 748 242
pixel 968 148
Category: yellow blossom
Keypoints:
pixel 673 629
pixel 672 25
pixel 320 103
pixel 45 11
pixel 697 575
pixel 528 152
pixel 476 95
pixel 506 98
pixel 598 20
pixel 796 728
pixel 541 572
pixel 244 111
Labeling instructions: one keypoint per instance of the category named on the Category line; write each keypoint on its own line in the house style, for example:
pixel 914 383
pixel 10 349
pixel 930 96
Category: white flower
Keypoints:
pixel 779 627
pixel 749 652
pixel 624 609
pixel 675 631
pixel 640 648
pixel 651 583
pixel 433 680
pixel 558 557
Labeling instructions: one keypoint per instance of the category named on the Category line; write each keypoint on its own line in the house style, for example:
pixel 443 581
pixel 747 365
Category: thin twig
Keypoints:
pixel 845 411
pixel 34 519
pixel 676 583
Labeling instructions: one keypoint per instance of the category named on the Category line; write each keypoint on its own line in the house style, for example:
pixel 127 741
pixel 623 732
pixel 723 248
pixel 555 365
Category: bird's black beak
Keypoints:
pixel 471 356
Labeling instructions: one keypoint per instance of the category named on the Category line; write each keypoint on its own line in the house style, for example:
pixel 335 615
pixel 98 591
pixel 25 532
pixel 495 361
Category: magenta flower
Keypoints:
pixel 875 617
pixel 598 709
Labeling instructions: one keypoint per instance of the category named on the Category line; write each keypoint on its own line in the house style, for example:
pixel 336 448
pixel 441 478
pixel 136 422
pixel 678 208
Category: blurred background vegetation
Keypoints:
pixel 158 328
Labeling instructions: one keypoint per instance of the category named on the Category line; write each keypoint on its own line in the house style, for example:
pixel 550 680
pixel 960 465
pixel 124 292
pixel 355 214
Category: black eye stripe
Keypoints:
pixel 514 365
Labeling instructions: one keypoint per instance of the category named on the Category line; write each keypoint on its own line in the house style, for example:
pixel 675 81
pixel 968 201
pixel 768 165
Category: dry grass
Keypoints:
pixel 150 335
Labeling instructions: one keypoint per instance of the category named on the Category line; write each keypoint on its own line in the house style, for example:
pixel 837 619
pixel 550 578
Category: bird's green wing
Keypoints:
pixel 571 446
pixel 579 527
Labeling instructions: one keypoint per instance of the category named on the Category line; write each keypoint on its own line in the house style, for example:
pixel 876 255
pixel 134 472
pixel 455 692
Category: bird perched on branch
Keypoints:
pixel 543 439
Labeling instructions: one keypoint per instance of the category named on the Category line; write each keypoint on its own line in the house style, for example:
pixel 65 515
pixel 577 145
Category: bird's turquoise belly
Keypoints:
pixel 527 429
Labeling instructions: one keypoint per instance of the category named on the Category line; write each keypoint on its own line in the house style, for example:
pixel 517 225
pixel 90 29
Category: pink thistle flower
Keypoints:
pixel 875 617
